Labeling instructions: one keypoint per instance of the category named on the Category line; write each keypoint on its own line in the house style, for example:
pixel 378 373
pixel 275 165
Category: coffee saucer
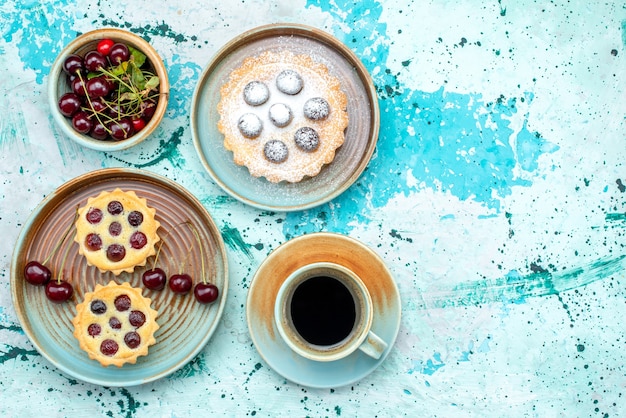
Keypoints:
pixel 307 249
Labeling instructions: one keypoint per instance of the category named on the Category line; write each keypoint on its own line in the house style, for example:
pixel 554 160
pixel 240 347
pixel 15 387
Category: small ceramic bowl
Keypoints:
pixel 58 85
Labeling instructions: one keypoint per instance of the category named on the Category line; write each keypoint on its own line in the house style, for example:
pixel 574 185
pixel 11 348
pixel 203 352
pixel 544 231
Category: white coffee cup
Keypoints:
pixel 324 312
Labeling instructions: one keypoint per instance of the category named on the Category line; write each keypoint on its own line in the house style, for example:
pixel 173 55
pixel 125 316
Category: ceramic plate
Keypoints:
pixel 350 160
pixel 185 325
pixel 294 254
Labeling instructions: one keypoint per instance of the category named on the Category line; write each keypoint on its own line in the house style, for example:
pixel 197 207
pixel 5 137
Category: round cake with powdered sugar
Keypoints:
pixel 282 115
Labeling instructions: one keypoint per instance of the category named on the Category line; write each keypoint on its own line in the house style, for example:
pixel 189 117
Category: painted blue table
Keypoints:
pixel 496 197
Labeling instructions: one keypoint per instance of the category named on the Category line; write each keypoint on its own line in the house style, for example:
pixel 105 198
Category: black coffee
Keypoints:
pixel 323 310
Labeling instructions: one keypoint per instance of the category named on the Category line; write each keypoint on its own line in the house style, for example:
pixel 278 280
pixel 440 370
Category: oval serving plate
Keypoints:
pixel 350 160
pixel 185 325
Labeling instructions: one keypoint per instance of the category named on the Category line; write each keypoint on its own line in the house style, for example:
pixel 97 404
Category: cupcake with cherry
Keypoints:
pixel 115 324
pixel 116 231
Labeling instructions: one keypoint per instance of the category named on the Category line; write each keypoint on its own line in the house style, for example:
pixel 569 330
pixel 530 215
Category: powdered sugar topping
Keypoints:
pixel 307 139
pixel 256 93
pixel 275 151
pixel 280 114
pixel 289 82
pixel 316 108
pixel 250 125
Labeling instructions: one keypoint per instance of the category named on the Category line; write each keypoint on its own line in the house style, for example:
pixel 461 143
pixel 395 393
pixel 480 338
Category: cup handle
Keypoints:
pixel 373 346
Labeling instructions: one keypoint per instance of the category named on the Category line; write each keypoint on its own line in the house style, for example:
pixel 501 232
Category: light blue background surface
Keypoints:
pixel 496 196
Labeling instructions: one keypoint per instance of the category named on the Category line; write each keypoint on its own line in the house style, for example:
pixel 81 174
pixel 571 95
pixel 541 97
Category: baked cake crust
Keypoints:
pixel 134 229
pixel 115 321
pixel 275 70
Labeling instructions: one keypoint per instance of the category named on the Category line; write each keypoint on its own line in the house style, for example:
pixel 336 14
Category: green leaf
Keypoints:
pixel 137 56
pixel 152 83
pixel 137 78
pixel 120 69
pixel 128 96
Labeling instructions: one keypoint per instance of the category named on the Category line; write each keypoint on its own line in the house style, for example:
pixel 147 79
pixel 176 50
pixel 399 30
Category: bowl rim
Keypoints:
pixel 56 71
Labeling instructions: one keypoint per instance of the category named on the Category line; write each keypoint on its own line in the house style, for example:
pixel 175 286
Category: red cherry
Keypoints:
pixel 98 131
pixel 115 207
pixel 138 124
pixel 36 273
pixel 96 106
pixel 104 46
pixel 94 215
pixel 109 347
pixel 121 129
pixel 148 108
pixel 81 122
pixel 78 86
pixel 122 303
pixel 59 291
pixel 138 240
pixel 132 339
pixel 73 64
pixel 181 283
pixel 94 330
pixel 93 242
pixel 116 252
pixel 69 104
pixel 137 319
pixel 94 61
pixel 98 87
pixel 206 292
pixel 135 218
pixel 154 279
pixel 115 323
pixel 119 52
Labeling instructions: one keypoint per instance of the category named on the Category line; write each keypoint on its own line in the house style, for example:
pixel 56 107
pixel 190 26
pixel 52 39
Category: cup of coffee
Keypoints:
pixel 324 312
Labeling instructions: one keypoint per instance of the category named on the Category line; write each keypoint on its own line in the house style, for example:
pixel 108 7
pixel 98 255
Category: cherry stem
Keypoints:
pixel 130 86
pixel 84 84
pixel 65 234
pixel 195 232
pixel 156 257
pixel 197 235
pixel 67 251
pixel 182 263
